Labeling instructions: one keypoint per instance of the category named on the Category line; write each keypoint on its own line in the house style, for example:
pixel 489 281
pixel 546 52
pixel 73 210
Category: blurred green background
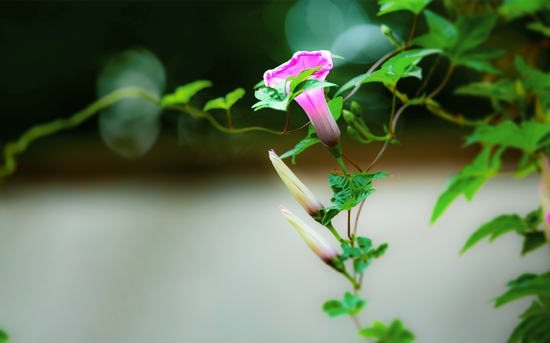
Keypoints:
pixel 55 51
pixel 186 243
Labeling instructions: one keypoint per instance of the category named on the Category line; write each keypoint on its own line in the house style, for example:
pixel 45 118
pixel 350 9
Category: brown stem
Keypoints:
pixel 357 322
pixel 392 112
pixel 357 218
pixel 378 156
pixel 229 122
pixel 349 227
pixel 371 69
pixel 443 83
pixel 298 129
pixel 413 30
pixel 287 121
pixel 425 83
pixel 350 161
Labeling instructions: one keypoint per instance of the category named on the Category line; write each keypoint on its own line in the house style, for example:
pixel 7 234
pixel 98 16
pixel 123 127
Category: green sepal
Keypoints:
pixel 326 214
pixel 395 333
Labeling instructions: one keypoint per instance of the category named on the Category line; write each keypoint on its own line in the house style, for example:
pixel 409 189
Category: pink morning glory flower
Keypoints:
pixel 312 101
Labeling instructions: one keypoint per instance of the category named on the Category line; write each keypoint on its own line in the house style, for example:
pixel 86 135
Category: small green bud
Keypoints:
pixel 356 109
pixel 386 30
pixel 348 116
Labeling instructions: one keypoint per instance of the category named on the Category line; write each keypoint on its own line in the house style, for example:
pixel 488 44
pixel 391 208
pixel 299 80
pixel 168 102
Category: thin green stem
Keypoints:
pixel 210 118
pixel 355 284
pixel 443 83
pixel 14 148
pixel 334 232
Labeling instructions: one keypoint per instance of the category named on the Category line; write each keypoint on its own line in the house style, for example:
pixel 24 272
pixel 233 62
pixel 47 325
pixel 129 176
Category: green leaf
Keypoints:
pixel 364 243
pixel 334 308
pixel 533 218
pixel 336 105
pixel 402 65
pixel 363 260
pixel 539 27
pixel 395 333
pixel 530 136
pixel 502 89
pixel 512 9
pixel 326 214
pixel 532 241
pixel 470 178
pixel 525 285
pixel 309 85
pixel 185 92
pixel 441 34
pixel 225 103
pixel 354 303
pixel 311 139
pixel 3 336
pixel 301 77
pixel 534 329
pixel 494 228
pixel 218 103
pixel 461 42
pixel 351 190
pixel 415 6
pixel 233 97
pixel 472 31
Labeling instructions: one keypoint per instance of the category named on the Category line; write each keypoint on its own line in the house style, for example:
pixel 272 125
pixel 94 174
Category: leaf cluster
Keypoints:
pixel 363 254
pixel 526 227
pixel 461 41
pixel 351 305
pixel 395 333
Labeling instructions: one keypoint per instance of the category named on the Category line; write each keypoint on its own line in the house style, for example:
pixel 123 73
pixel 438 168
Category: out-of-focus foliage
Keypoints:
pixel 395 333
pixel 131 126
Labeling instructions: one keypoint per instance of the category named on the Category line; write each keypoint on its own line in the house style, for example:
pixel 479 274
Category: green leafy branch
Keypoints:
pixel 53 127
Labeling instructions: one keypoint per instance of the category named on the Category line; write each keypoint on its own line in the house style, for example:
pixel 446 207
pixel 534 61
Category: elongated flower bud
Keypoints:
pixel 315 241
pixel 312 101
pixel 304 196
